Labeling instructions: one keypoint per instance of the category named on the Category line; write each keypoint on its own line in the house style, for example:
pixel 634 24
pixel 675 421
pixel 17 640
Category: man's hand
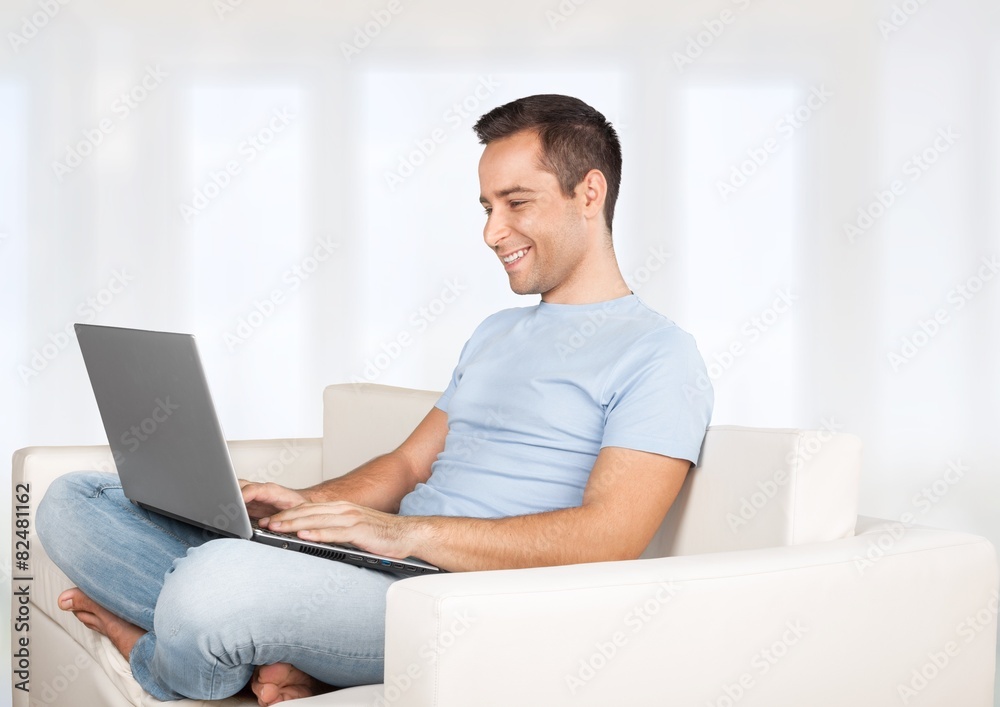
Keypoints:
pixel 343 522
pixel 265 500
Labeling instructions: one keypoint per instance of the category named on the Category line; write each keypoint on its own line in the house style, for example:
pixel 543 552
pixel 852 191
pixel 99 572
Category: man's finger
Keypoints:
pixel 266 492
pixel 318 518
pixel 249 489
pixel 300 514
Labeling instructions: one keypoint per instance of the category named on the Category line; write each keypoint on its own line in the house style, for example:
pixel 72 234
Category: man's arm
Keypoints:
pixel 379 483
pixel 626 498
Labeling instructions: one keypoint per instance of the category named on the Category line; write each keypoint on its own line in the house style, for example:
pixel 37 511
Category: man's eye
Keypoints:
pixel 487 210
pixel 515 204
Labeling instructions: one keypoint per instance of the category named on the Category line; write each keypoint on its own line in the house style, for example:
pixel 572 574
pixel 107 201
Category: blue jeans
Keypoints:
pixel 213 607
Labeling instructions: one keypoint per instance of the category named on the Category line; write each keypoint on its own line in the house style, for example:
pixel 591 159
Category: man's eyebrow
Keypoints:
pixel 517 189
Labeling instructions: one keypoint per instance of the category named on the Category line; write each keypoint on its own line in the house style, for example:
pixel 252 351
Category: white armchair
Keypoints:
pixel 762 588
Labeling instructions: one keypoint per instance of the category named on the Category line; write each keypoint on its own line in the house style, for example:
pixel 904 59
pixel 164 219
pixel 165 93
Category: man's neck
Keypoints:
pixel 590 296
pixel 600 282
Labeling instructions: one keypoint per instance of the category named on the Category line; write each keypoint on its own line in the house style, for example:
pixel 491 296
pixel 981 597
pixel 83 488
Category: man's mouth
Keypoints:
pixel 514 257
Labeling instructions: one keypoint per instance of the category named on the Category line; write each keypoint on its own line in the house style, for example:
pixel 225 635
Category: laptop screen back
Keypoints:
pixel 166 439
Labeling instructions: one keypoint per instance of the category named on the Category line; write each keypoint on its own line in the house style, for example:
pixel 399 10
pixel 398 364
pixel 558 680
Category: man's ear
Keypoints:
pixel 594 190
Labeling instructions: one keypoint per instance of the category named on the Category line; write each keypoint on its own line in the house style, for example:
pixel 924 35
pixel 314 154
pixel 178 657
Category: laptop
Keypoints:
pixel 168 445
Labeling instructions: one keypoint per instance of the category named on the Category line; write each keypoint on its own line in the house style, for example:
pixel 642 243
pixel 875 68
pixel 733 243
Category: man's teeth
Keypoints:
pixel 514 256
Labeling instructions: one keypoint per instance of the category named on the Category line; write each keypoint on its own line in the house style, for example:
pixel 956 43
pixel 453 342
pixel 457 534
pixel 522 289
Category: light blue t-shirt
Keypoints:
pixel 538 391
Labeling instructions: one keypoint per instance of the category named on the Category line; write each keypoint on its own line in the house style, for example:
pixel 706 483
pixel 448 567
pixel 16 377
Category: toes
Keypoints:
pixel 70 599
pixel 279 682
pixel 76 601
pixel 266 693
pixel 296 693
pixel 90 621
pixel 289 692
pixel 264 684
pixel 275 673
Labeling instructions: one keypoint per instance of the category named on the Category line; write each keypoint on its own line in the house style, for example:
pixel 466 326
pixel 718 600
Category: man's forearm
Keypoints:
pixel 380 484
pixel 567 536
pixel 626 499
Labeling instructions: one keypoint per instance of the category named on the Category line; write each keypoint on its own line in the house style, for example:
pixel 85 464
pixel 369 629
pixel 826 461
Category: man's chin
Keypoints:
pixel 519 289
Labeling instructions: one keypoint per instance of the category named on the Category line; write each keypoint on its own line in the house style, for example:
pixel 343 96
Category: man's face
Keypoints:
pixel 538 233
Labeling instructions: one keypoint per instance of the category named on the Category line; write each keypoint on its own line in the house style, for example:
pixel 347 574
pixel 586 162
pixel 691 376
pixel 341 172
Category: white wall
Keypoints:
pixel 220 72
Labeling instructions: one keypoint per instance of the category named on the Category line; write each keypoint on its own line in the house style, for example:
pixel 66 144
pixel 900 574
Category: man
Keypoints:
pixel 542 451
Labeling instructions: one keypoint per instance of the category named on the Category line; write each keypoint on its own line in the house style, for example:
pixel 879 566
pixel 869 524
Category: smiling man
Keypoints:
pixel 538 453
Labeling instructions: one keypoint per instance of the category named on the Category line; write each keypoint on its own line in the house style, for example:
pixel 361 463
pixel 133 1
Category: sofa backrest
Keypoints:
pixel 760 487
pixel 752 487
pixel 364 420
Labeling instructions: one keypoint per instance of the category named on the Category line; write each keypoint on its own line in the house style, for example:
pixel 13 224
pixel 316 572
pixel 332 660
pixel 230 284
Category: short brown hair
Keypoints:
pixel 575 139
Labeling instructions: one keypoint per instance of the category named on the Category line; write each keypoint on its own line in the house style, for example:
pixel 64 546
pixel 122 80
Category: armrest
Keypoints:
pixel 808 624
pixel 291 462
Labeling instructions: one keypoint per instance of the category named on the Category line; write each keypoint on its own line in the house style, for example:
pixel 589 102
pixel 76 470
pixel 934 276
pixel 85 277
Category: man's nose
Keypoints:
pixel 495 230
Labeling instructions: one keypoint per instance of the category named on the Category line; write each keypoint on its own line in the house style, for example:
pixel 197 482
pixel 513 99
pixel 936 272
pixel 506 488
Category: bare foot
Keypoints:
pixel 123 635
pixel 281 681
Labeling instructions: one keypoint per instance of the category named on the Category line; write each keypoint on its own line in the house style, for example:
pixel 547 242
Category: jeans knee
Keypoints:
pixel 198 617
pixel 59 512
pixel 230 604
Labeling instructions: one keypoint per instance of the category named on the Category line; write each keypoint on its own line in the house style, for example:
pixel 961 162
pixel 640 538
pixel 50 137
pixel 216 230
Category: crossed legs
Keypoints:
pixel 195 614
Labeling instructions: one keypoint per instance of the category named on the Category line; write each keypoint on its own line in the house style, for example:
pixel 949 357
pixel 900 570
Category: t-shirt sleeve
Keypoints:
pixel 442 402
pixel 659 397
